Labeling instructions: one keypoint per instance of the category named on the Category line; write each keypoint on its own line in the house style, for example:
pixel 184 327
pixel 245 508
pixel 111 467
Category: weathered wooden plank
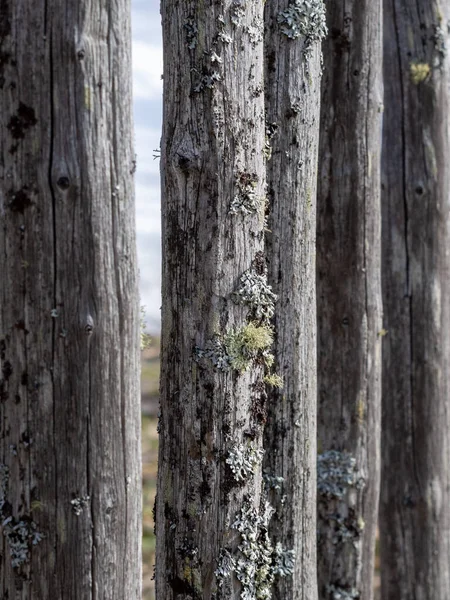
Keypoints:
pixel 292 89
pixel 212 402
pixel 349 299
pixel 68 304
pixel 415 498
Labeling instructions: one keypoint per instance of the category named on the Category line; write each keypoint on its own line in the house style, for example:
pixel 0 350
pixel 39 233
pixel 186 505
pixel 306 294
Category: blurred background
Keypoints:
pixel 149 387
pixel 147 88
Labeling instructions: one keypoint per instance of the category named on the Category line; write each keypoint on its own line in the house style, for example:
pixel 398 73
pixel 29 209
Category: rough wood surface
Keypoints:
pixel 415 499
pixel 213 186
pixel 69 322
pixel 292 90
pixel 349 299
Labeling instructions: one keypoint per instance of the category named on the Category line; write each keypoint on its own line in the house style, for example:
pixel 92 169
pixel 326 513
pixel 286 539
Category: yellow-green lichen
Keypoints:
pixel 419 72
pixel 274 380
pixel 246 344
pixel 360 411
pixel 192 575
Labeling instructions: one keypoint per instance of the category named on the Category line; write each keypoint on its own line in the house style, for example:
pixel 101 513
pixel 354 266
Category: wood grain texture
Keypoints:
pixel 292 91
pixel 213 141
pixel 415 499
pixel 349 293
pixel 69 318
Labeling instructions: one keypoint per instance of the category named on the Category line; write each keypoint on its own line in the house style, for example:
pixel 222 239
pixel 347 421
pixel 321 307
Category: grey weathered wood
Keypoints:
pixel 349 299
pixel 415 498
pixel 212 160
pixel 292 91
pixel 69 319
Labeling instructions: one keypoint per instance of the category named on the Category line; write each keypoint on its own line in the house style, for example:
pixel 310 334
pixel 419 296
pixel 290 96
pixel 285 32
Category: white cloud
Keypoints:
pixel 146 20
pixel 148 212
pixel 147 70
pixel 146 147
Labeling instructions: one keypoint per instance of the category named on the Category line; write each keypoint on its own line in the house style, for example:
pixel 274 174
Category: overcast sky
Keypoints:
pixel 147 84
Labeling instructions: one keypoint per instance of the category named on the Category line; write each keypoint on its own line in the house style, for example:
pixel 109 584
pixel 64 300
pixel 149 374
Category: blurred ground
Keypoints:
pixel 149 401
pixel 149 391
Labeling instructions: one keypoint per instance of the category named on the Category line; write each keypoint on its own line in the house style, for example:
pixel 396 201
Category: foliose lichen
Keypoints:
pixel 226 566
pixel 304 18
pixel 336 472
pixel 284 561
pixel 272 482
pixel 191 33
pixel 216 353
pixel 345 528
pixel 237 12
pixel 246 200
pixel 78 504
pixel 243 461
pixel 439 40
pixel 222 35
pixel 20 532
pixel 255 32
pixel 215 58
pixel 271 130
pixel 257 562
pixel 208 80
pixel 255 292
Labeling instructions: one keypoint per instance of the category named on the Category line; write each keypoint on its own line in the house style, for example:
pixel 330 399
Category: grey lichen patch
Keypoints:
pixel 419 72
pixel 340 523
pixel 20 532
pixel 336 472
pixel 237 12
pixel 215 58
pixel 345 529
pixel 79 503
pixel 255 32
pixel 304 18
pixel 215 352
pixel 210 73
pixel 257 562
pixel 440 46
pixel 271 130
pixel 207 81
pixel 225 567
pixel 284 561
pixel 243 460
pixel 339 593
pixel 4 480
pixel 272 482
pixel 222 35
pixel 246 199
pixel 257 294
pixel 191 33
